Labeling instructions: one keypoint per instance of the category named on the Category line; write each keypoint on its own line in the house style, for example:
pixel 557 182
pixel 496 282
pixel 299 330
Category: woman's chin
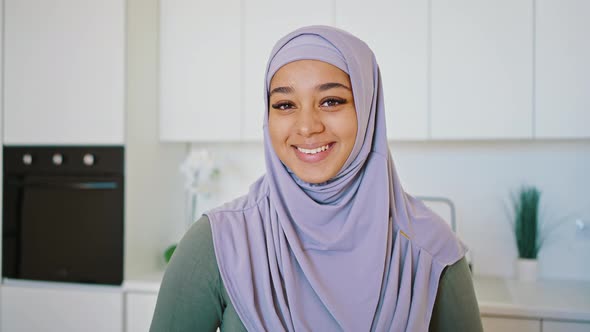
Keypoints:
pixel 313 175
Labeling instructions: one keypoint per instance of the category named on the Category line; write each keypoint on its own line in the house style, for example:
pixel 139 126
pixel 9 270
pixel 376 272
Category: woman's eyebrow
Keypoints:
pixel 281 89
pixel 331 85
pixel 321 87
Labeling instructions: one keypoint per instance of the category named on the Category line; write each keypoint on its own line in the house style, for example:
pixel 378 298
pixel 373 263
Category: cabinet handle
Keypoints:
pixel 94 185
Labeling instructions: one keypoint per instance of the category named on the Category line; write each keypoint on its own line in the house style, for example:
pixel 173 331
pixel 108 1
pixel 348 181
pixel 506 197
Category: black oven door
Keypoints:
pixel 71 229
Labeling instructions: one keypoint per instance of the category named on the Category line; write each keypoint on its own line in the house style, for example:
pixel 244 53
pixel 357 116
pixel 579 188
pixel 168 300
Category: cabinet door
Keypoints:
pixel 497 324
pixel 58 308
pixel 481 69
pixel 397 32
pixel 139 310
pixel 562 326
pixel 1 304
pixel 562 69
pixel 265 22
pixel 200 70
pixel 64 71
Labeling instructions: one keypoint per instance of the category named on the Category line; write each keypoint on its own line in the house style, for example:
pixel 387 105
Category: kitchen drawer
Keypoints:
pixel 52 307
pixel 139 308
pixel 565 326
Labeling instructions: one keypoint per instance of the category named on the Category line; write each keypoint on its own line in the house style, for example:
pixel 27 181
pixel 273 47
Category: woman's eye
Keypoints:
pixel 331 102
pixel 282 106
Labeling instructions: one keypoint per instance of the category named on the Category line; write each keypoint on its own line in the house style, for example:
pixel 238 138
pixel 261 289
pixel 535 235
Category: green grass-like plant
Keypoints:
pixel 526 222
pixel 168 253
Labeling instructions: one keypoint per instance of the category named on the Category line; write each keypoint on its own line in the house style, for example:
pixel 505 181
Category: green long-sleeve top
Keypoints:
pixel 192 296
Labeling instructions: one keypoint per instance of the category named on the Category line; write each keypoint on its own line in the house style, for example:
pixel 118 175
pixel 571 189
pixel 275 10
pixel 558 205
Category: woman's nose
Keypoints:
pixel 309 122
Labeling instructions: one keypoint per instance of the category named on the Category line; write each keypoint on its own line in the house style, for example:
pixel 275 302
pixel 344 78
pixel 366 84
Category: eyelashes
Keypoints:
pixel 333 101
pixel 283 106
pixel 330 102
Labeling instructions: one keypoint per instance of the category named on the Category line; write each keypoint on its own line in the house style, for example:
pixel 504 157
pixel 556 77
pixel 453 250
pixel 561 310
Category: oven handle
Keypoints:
pixel 86 185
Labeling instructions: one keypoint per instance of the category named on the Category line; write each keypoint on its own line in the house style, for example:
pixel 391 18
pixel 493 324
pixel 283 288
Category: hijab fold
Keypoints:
pixel 356 253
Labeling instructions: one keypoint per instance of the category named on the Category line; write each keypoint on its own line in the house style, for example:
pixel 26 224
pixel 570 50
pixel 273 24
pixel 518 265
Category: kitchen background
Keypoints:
pixel 476 173
pixel 469 117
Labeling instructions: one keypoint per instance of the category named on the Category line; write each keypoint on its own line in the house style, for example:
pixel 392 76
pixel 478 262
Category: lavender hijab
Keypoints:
pixel 354 254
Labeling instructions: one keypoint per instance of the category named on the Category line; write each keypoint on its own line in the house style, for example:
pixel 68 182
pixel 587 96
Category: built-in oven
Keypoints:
pixel 63 214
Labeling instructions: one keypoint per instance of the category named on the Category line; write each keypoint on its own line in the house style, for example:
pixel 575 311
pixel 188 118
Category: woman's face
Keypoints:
pixel 312 119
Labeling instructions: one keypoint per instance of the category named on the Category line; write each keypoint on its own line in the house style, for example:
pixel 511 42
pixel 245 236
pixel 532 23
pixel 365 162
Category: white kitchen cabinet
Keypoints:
pixel 562 69
pixel 397 32
pixel 64 79
pixel 200 70
pixel 501 324
pixel 481 69
pixel 265 22
pixel 139 308
pixel 1 307
pixel 53 307
pixel 565 326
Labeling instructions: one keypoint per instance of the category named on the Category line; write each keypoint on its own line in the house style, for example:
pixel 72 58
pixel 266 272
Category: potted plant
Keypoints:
pixel 527 231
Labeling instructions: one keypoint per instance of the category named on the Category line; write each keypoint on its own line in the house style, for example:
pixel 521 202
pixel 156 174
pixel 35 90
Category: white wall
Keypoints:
pixel 1 119
pixel 477 176
pixel 153 193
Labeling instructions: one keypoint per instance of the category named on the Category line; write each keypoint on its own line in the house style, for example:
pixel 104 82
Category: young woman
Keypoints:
pixel 327 239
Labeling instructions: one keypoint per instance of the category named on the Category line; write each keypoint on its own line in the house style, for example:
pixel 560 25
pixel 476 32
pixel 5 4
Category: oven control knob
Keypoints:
pixel 57 159
pixel 88 159
pixel 27 159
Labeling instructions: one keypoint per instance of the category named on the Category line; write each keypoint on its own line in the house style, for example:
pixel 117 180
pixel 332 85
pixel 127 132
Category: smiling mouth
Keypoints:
pixel 316 150
pixel 313 155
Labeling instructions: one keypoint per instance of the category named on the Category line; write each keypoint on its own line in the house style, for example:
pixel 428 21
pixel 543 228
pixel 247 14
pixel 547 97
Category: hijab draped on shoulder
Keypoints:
pixel 356 253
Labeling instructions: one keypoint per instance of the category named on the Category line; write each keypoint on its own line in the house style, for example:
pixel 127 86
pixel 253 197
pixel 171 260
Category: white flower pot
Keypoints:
pixel 526 269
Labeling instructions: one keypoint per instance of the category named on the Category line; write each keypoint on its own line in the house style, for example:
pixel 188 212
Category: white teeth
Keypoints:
pixel 314 151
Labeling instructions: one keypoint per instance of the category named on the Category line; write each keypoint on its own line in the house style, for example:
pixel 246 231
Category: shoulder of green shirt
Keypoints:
pixel 192 295
pixel 456 307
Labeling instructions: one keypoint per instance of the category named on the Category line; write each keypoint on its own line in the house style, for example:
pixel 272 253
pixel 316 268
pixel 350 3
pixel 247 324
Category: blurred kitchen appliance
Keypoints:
pixel 445 208
pixel 442 206
pixel 63 214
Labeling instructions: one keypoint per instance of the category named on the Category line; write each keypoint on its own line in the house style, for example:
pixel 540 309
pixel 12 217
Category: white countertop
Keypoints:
pixel 547 299
pixel 149 283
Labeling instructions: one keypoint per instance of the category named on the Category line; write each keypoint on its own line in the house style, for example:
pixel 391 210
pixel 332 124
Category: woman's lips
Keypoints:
pixel 313 155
